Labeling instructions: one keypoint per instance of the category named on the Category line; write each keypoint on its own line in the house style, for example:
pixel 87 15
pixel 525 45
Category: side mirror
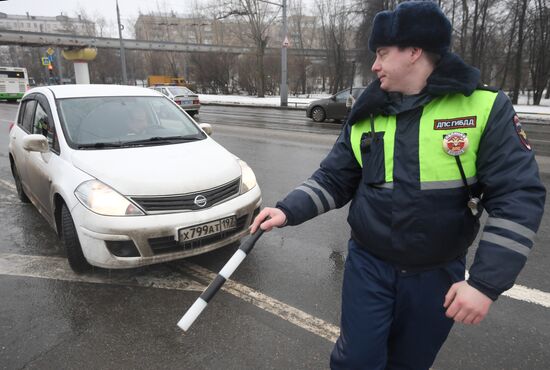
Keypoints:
pixel 206 127
pixel 333 97
pixel 36 143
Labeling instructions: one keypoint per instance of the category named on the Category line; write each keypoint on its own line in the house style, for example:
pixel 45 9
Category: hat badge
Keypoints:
pixel 455 143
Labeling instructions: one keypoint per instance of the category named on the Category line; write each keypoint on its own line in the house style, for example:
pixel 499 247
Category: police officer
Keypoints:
pixel 425 146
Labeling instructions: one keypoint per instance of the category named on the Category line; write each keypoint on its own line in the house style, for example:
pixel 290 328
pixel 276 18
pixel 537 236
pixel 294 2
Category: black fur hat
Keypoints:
pixel 412 23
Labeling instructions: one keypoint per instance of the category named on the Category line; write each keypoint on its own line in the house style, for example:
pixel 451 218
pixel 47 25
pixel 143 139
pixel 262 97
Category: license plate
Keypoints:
pixel 186 102
pixel 207 229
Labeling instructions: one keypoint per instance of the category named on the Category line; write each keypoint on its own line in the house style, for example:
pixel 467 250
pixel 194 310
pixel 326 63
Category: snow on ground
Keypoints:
pixel 270 101
pixel 302 102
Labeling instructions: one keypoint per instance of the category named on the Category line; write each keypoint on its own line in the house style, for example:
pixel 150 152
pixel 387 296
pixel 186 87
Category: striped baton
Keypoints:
pixel 200 304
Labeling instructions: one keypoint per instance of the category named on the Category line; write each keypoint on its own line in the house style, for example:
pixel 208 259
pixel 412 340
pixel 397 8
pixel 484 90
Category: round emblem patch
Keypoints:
pixel 455 143
pixel 521 133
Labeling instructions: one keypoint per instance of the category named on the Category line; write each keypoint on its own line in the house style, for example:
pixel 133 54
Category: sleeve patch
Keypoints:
pixel 521 133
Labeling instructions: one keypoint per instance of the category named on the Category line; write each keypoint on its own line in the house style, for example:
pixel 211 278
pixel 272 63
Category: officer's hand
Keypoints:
pixel 466 304
pixel 277 219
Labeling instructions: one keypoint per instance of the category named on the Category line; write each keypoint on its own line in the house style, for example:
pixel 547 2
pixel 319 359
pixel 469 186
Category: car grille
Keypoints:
pixel 187 201
pixel 169 244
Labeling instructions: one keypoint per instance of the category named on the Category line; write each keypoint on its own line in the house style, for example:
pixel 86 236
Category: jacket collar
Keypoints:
pixel 450 76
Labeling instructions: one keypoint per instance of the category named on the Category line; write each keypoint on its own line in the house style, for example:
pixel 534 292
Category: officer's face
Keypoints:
pixel 393 68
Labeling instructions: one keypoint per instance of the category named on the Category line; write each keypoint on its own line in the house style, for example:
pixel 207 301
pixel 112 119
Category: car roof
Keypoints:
pixel 93 90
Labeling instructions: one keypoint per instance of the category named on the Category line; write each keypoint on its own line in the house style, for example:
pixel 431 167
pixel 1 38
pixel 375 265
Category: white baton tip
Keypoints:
pixel 192 313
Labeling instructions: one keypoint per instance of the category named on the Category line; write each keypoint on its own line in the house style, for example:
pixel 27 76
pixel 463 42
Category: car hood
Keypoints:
pixel 162 169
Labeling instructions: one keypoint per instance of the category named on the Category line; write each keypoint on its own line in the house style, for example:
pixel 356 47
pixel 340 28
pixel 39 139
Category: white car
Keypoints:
pixel 125 177
pixel 182 96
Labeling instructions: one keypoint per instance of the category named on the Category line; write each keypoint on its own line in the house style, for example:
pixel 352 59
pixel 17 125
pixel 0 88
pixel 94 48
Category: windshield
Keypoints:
pixel 180 90
pixel 116 121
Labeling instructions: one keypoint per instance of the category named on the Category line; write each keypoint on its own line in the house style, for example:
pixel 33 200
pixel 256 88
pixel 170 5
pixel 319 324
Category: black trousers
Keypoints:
pixel 391 318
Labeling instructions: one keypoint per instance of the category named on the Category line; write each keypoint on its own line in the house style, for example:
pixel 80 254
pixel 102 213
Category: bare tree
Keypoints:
pixel 259 15
pixel 539 47
pixel 509 34
pixel 247 80
pixel 336 27
pixel 213 72
pixel 522 10
pixel 303 32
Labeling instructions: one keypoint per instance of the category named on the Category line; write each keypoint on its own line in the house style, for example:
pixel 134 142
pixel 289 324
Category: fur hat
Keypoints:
pixel 412 23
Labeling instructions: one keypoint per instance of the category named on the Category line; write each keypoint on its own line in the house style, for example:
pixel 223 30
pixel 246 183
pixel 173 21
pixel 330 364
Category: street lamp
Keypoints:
pixel 122 55
pixel 284 46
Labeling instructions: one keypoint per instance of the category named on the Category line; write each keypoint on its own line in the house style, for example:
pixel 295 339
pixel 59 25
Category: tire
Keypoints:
pixel 76 258
pixel 318 114
pixel 192 113
pixel 19 186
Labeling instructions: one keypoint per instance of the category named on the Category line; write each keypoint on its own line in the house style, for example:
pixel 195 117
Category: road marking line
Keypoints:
pixel 291 314
pixel 530 295
pixel 522 293
pixel 7 185
pixel 57 268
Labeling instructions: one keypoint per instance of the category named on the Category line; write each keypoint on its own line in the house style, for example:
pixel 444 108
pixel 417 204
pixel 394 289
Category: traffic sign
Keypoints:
pixel 45 61
pixel 286 43
pixel 50 51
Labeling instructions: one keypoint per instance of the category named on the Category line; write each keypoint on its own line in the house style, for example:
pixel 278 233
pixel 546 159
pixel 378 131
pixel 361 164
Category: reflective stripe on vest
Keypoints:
pixel 443 115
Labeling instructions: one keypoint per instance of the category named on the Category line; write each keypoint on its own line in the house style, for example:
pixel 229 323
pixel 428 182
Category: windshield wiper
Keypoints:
pixel 163 140
pixel 101 145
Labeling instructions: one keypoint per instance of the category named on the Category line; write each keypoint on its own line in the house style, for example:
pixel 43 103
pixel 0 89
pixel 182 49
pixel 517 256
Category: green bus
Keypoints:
pixel 14 82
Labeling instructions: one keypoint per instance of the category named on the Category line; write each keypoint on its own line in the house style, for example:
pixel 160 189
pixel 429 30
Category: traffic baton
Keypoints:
pixel 200 304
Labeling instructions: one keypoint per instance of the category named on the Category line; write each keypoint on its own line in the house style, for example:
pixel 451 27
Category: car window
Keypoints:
pixel 164 91
pixel 43 125
pixel 28 115
pixel 123 119
pixel 178 90
pixel 342 96
pixel 21 113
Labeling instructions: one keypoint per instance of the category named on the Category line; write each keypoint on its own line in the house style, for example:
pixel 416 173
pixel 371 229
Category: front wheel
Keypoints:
pixel 318 114
pixel 76 258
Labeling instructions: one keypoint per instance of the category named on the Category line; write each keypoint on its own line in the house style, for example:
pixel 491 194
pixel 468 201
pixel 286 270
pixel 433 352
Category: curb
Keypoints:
pixel 228 104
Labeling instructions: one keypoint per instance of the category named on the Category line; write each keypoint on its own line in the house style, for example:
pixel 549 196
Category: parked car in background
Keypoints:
pixel 183 97
pixel 333 107
pixel 125 177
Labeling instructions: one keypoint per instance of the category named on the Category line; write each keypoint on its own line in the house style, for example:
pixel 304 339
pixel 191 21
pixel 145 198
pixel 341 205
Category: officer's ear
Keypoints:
pixel 415 53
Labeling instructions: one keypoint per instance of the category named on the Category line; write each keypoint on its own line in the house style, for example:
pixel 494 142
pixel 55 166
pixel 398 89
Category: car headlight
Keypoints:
pixel 104 200
pixel 248 179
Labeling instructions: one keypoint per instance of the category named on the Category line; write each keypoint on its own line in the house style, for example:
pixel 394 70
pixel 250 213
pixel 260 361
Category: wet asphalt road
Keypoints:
pixel 126 319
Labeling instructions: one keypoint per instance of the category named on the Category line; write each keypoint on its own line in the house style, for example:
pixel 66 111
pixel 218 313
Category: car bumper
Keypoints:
pixel 155 236
pixel 190 107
